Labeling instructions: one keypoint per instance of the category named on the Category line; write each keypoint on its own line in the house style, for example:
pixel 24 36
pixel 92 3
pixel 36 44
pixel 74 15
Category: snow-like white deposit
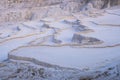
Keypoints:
pixel 79 58
pixel 111 17
pixel 110 35
pixel 43 37
pixel 104 29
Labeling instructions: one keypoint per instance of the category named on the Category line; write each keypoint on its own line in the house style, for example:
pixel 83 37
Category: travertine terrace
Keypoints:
pixel 59 40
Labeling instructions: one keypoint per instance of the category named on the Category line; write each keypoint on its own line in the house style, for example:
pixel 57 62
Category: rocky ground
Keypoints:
pixel 12 70
pixel 26 10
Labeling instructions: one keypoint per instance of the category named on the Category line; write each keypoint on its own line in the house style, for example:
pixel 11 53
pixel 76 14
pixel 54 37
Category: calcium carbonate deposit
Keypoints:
pixel 60 40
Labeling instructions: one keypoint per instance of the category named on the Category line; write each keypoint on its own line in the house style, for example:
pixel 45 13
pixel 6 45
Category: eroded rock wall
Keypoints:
pixel 22 10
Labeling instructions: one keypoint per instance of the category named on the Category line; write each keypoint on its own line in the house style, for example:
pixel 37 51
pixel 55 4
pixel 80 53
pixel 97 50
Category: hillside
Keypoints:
pixel 26 10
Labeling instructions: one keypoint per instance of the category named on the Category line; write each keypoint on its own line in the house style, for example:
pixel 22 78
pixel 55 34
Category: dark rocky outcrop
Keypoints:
pixel 76 25
pixel 77 38
pixel 104 3
pixel 56 40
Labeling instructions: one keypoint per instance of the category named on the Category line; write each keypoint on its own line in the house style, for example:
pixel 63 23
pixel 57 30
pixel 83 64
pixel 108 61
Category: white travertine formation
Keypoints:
pixel 59 40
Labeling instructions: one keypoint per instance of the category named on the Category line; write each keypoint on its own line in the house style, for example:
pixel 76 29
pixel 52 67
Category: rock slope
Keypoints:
pixel 22 10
